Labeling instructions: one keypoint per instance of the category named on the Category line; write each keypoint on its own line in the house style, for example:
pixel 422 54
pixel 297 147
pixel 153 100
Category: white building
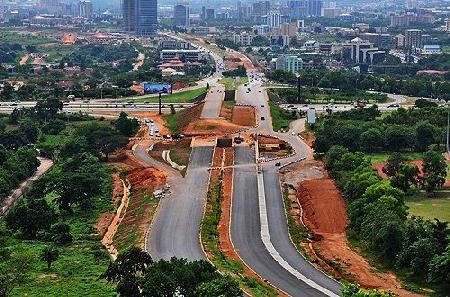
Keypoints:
pixel 289 63
pixel 243 39
pixel 274 19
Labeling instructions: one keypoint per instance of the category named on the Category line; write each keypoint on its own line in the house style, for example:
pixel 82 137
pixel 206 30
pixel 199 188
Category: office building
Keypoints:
pixel 314 7
pixel 260 8
pixel 85 8
pixel 181 16
pixel 297 8
pixel 243 39
pixel 191 55
pixel 274 19
pixel 413 38
pixel 208 13
pixel 129 15
pixel 331 12
pixel 400 41
pixel 289 63
pixel 140 17
pixel 362 51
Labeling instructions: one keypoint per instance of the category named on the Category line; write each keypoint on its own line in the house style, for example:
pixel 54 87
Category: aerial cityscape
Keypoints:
pixel 225 148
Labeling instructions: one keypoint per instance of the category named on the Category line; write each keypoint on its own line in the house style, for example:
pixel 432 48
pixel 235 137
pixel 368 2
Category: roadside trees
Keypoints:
pixel 434 171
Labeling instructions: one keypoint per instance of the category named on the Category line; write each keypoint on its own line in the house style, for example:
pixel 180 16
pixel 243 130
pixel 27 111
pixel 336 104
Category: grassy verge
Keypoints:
pixel 430 208
pixel 80 263
pixel 210 241
pixel 280 118
pixel 172 122
pixel 181 97
pixel 232 83
pixel 298 233
pixel 141 208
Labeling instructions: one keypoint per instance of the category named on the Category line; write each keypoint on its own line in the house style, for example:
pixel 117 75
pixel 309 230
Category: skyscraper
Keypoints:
pixel 140 16
pixel 413 38
pixel 181 15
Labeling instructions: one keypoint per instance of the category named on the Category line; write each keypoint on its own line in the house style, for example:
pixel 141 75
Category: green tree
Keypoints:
pixel 434 171
pixel 392 166
pixel 439 268
pixel 425 135
pixel 49 255
pixel 408 175
pixel 60 233
pixel 30 216
pixel 224 287
pixel 48 108
pixel 372 140
pixel 127 271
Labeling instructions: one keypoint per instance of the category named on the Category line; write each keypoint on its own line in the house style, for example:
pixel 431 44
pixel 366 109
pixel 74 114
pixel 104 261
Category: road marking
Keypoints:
pixel 265 236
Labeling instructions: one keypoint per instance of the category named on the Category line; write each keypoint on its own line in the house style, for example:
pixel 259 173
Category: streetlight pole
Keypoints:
pixel 160 111
pixel 448 130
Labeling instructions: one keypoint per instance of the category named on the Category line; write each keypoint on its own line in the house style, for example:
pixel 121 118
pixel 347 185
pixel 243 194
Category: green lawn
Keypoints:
pixel 231 83
pixel 430 208
pixel 181 97
pixel 280 117
pixel 382 157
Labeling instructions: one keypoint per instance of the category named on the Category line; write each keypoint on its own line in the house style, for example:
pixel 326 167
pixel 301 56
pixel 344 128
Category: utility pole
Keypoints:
pixel 160 111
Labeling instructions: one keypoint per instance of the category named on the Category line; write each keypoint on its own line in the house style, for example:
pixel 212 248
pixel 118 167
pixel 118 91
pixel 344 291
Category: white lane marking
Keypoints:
pixel 265 236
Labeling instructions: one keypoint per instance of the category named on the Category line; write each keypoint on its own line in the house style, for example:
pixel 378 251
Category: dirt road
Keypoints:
pixel 16 194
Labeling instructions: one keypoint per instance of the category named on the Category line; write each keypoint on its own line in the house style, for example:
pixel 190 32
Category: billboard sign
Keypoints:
pixel 151 88
pixel 311 115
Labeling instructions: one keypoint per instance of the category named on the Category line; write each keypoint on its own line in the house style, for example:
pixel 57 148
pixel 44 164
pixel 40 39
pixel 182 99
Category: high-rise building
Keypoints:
pixel 208 13
pixel 274 19
pixel 181 14
pixel 140 16
pixel 413 38
pixel 314 7
pixel 297 8
pixel 129 15
pixel 261 8
pixel 447 26
pixel 85 8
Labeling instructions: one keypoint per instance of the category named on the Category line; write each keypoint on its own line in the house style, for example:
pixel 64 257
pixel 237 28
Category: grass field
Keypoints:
pixel 80 263
pixel 280 118
pixel 430 208
pixel 231 83
pixel 382 157
pixel 181 97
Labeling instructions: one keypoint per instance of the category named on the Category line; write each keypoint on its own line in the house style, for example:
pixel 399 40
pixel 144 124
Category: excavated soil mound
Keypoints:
pixel 323 206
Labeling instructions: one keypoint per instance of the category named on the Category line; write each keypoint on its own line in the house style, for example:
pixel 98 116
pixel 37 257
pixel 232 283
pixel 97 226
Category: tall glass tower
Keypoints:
pixel 140 16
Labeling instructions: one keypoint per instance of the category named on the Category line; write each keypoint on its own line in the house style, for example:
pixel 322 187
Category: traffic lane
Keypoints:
pixel 213 102
pixel 278 229
pixel 246 229
pixel 201 157
pixel 246 236
pixel 244 155
pixel 175 231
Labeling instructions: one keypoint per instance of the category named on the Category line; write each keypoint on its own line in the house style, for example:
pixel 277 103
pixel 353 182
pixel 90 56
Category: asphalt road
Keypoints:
pixel 175 231
pixel 279 233
pixel 246 229
pixel 213 101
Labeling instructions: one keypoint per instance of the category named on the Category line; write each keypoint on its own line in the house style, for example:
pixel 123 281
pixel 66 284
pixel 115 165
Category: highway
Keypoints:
pixel 261 238
pixel 176 225
pixel 246 233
